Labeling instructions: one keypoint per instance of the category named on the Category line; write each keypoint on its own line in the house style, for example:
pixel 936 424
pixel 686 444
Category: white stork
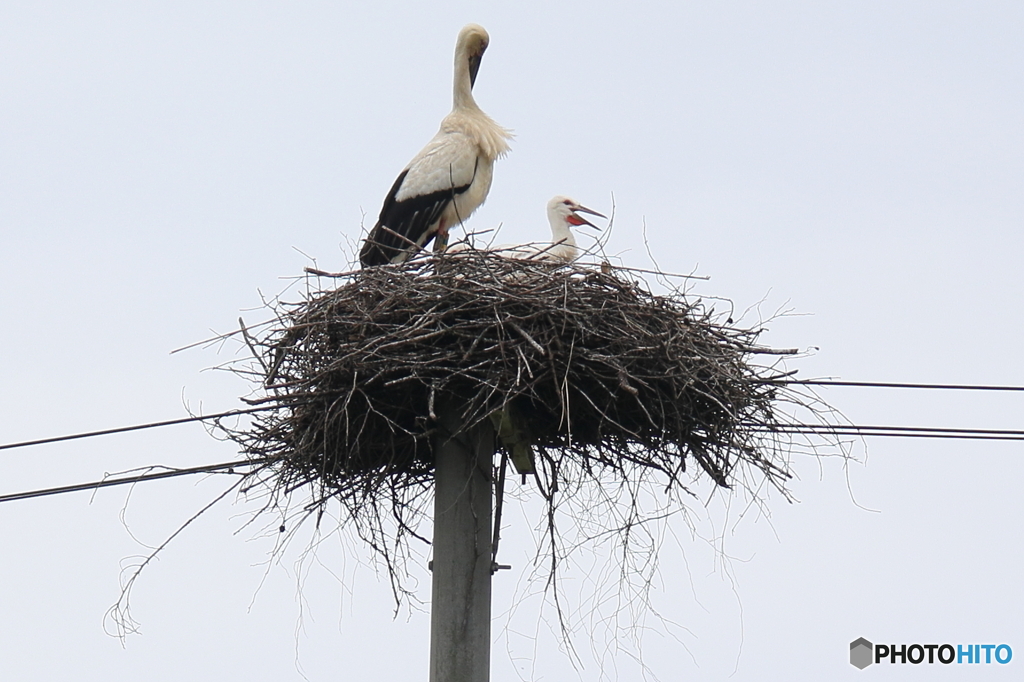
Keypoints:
pixel 450 177
pixel 563 216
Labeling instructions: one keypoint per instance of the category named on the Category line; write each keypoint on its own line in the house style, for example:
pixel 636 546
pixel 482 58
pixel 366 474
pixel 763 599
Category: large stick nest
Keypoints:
pixel 600 373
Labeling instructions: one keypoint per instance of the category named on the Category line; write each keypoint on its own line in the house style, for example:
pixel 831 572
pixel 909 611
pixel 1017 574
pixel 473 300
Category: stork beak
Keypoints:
pixel 580 220
pixel 474 67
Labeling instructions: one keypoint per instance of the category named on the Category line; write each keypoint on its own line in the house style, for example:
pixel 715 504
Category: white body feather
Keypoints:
pixel 462 153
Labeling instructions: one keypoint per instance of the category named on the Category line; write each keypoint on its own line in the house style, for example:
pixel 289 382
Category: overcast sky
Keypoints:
pixel 165 166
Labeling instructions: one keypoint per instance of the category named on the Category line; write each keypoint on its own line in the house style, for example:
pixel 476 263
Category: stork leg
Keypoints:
pixel 441 238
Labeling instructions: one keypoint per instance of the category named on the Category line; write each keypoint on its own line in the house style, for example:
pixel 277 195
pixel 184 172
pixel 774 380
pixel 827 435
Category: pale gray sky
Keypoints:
pixel 859 163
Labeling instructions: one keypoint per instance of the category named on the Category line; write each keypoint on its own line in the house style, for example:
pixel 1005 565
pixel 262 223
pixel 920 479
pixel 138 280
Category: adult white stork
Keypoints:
pixel 563 215
pixel 450 177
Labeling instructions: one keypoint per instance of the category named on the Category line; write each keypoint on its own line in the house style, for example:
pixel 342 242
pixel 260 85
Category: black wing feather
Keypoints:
pixel 403 223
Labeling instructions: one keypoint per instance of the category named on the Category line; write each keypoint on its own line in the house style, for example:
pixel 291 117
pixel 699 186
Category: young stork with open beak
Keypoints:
pixel 563 215
pixel 450 177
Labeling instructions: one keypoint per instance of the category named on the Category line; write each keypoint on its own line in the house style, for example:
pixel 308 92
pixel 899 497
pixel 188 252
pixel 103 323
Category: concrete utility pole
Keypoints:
pixel 460 607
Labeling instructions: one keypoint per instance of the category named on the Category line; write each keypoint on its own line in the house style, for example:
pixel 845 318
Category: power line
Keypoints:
pixel 928 429
pixel 858 430
pixel 108 482
pixel 894 431
pixel 903 434
pixel 138 427
pixel 893 384
pixel 251 410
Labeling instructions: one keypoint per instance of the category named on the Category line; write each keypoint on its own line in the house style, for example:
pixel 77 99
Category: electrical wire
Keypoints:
pixel 857 430
pixel 138 427
pixel 893 384
pixel 108 482
pixel 826 430
pixel 251 410
pixel 893 431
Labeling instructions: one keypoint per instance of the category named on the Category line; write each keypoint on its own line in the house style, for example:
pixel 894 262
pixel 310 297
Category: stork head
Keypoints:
pixel 563 211
pixel 470 48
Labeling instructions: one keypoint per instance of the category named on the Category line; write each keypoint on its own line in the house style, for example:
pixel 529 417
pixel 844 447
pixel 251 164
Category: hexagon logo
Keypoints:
pixel 861 653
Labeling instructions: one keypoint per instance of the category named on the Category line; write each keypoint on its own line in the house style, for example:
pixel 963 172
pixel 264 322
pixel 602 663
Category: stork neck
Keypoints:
pixel 463 86
pixel 560 232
